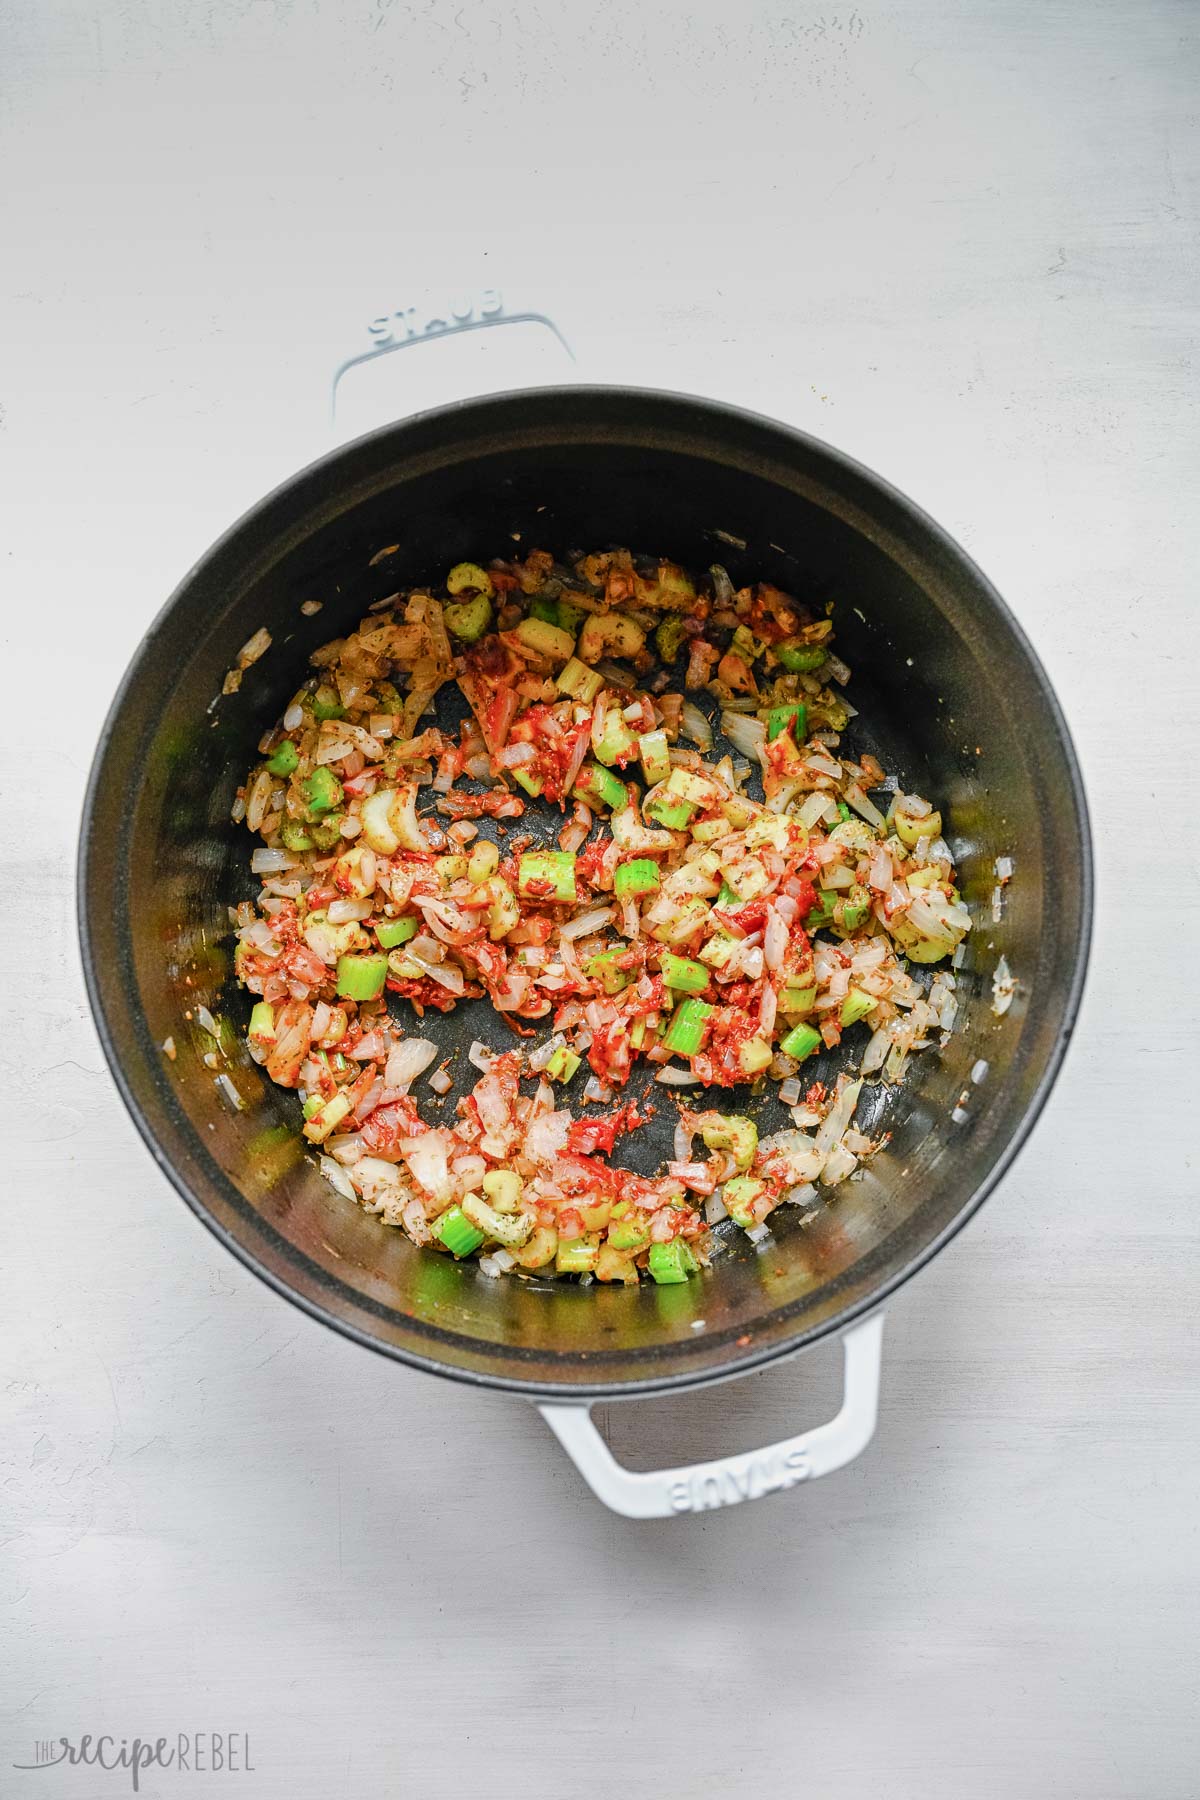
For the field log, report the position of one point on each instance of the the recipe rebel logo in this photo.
(184, 1753)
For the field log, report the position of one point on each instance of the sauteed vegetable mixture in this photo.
(680, 921)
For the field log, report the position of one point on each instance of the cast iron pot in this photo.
(954, 702)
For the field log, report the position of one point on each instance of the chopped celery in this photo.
(509, 1229)
(579, 681)
(746, 645)
(451, 868)
(361, 977)
(792, 718)
(457, 1233)
(483, 861)
(606, 969)
(326, 704)
(633, 879)
(533, 784)
(391, 932)
(655, 756)
(322, 791)
(562, 1064)
(682, 973)
(801, 1041)
(669, 637)
(504, 1189)
(855, 908)
(469, 576)
(326, 833)
(541, 607)
(262, 1023)
(754, 1056)
(468, 619)
(630, 1232)
(294, 836)
(739, 1194)
(732, 1133)
(547, 875)
(682, 784)
(545, 639)
(612, 1266)
(674, 815)
(671, 1262)
(325, 1117)
(799, 657)
(599, 786)
(719, 950)
(798, 999)
(822, 913)
(686, 1031)
(911, 830)
(285, 759)
(617, 743)
(609, 634)
(576, 1256)
(856, 1006)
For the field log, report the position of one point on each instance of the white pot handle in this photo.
(661, 1493)
(431, 321)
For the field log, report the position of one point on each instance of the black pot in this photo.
(956, 704)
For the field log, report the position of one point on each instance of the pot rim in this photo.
(567, 1393)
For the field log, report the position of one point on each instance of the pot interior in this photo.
(951, 701)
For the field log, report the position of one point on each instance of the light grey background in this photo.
(958, 240)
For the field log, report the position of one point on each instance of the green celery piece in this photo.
(671, 1262)
(285, 758)
(533, 784)
(361, 977)
(540, 607)
(562, 1064)
(326, 832)
(294, 836)
(580, 682)
(792, 718)
(733, 1132)
(322, 791)
(617, 742)
(673, 816)
(262, 1021)
(539, 870)
(801, 1042)
(392, 932)
(754, 1056)
(631, 1233)
(681, 972)
(655, 756)
(800, 658)
(686, 1031)
(798, 999)
(739, 1195)
(594, 783)
(727, 898)
(576, 1256)
(856, 1006)
(468, 619)
(326, 704)
(669, 637)
(457, 1233)
(604, 969)
(855, 911)
(636, 878)
(469, 577)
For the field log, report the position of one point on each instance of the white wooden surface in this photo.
(956, 239)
